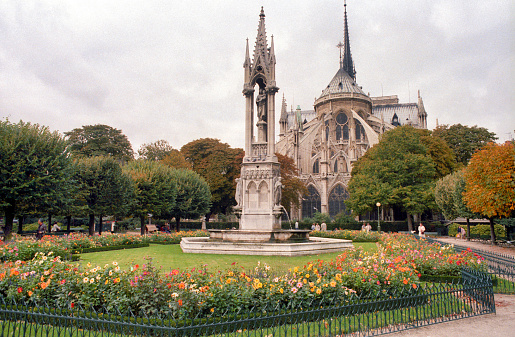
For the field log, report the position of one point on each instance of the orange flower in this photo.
(180, 303)
(414, 286)
(405, 281)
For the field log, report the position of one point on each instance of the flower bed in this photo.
(394, 270)
(25, 248)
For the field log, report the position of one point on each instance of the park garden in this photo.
(44, 273)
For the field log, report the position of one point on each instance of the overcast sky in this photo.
(173, 70)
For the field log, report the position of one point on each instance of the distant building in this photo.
(344, 124)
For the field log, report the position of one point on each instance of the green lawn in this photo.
(171, 257)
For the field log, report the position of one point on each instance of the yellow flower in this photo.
(319, 291)
(296, 269)
(333, 283)
(281, 290)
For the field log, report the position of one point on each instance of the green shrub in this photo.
(345, 221)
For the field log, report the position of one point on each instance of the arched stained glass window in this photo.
(338, 132)
(345, 132)
(360, 131)
(336, 200)
(311, 202)
(316, 166)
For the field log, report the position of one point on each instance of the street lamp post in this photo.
(378, 222)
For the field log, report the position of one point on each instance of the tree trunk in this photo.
(410, 223)
(177, 224)
(143, 225)
(8, 227)
(68, 223)
(21, 220)
(468, 229)
(91, 224)
(492, 231)
(49, 223)
(100, 224)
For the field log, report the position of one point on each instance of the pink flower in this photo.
(294, 290)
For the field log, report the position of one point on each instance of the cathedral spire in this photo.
(347, 63)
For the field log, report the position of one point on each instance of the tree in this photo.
(464, 140)
(155, 189)
(100, 140)
(175, 159)
(490, 183)
(219, 165)
(442, 155)
(293, 187)
(193, 196)
(104, 188)
(155, 151)
(399, 170)
(33, 167)
(449, 198)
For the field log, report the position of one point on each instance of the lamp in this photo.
(378, 222)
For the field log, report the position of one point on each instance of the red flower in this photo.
(72, 305)
(180, 303)
(20, 289)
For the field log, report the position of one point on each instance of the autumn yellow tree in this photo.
(490, 183)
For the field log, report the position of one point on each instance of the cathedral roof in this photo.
(342, 83)
(407, 113)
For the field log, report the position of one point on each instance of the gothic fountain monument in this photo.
(258, 190)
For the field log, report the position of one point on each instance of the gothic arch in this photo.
(336, 200)
(311, 202)
(263, 195)
(252, 200)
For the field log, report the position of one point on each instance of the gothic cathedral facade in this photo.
(345, 123)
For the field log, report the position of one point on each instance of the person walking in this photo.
(421, 230)
(41, 230)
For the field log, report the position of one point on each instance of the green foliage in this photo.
(345, 221)
(155, 189)
(34, 169)
(104, 188)
(155, 151)
(481, 230)
(193, 196)
(99, 140)
(321, 217)
(219, 165)
(399, 170)
(449, 196)
(464, 140)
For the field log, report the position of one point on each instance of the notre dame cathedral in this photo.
(345, 123)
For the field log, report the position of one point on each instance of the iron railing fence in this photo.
(363, 315)
(501, 267)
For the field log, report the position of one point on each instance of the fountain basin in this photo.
(315, 245)
(254, 236)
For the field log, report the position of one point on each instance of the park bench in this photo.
(151, 228)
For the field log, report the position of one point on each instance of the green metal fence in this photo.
(363, 315)
(501, 267)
